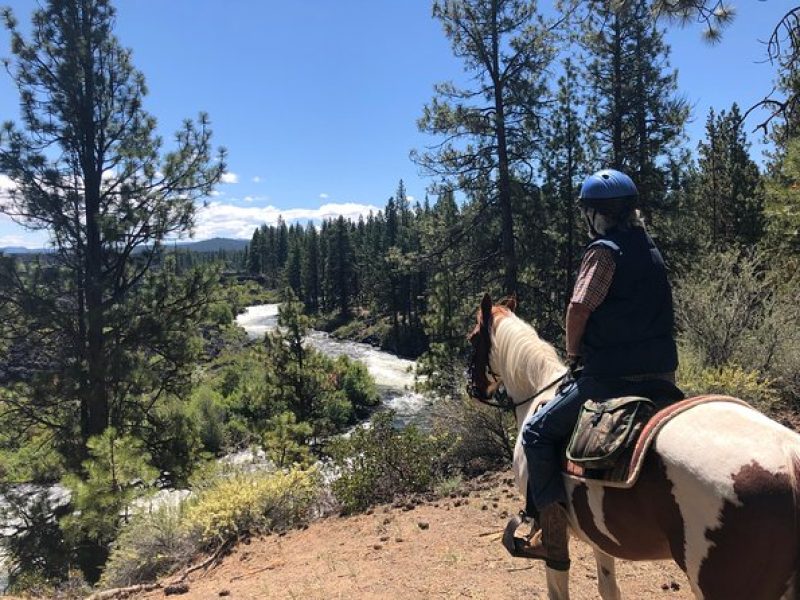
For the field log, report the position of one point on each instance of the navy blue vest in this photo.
(631, 332)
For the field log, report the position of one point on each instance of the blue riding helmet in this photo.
(608, 191)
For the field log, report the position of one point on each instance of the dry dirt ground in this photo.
(448, 548)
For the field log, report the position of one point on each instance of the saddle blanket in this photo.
(626, 471)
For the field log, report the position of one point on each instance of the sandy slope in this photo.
(444, 549)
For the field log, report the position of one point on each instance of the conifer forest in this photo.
(123, 371)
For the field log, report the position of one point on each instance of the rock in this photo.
(675, 586)
(224, 592)
(423, 525)
(377, 546)
(176, 589)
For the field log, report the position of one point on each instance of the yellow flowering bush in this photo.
(245, 502)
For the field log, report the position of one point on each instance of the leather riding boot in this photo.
(550, 543)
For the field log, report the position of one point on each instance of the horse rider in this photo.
(619, 330)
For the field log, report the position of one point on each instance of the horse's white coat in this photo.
(606, 576)
(734, 436)
(595, 495)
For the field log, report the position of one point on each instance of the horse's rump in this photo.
(717, 493)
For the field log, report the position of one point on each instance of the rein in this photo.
(501, 399)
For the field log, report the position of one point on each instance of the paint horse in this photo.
(718, 492)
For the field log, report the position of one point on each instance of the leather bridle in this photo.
(495, 394)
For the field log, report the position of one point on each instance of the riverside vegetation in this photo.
(122, 371)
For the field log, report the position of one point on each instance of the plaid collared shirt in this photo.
(594, 277)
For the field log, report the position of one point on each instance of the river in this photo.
(393, 375)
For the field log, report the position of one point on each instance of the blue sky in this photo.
(317, 100)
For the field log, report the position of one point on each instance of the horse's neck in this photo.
(526, 363)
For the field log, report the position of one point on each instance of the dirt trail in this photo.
(449, 548)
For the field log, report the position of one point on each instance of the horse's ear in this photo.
(486, 308)
(511, 302)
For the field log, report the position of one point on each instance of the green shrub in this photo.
(242, 503)
(117, 473)
(377, 463)
(357, 384)
(209, 416)
(152, 544)
(448, 485)
(731, 380)
(484, 436)
(740, 308)
(35, 585)
(286, 441)
(219, 313)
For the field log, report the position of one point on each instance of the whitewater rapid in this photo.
(393, 375)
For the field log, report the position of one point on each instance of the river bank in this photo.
(405, 342)
(394, 376)
(447, 547)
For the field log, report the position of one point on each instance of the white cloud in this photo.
(227, 220)
(324, 196)
(410, 198)
(256, 179)
(27, 241)
(229, 178)
(6, 183)
(248, 198)
(215, 193)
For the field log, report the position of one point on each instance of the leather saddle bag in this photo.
(606, 429)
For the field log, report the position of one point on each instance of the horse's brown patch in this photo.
(481, 340)
(753, 552)
(644, 519)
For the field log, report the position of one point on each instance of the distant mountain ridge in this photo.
(212, 245)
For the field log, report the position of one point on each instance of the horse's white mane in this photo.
(524, 360)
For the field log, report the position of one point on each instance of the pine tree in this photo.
(488, 128)
(310, 269)
(255, 258)
(294, 275)
(730, 192)
(441, 367)
(340, 268)
(108, 198)
(783, 201)
(564, 162)
(634, 111)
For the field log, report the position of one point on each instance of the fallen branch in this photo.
(124, 592)
(206, 563)
(256, 571)
(498, 533)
